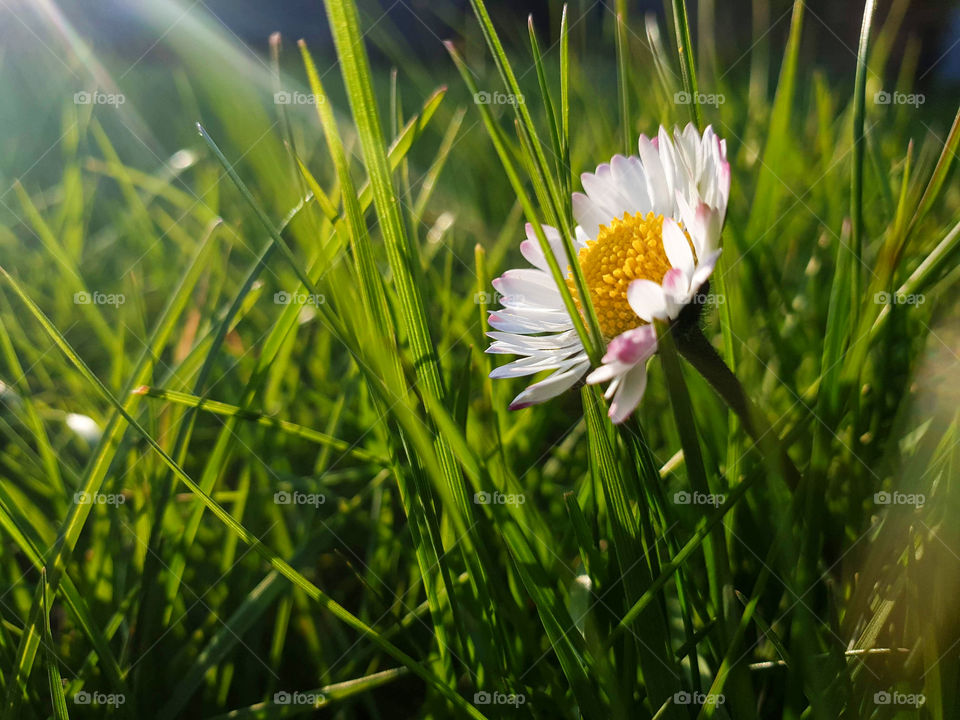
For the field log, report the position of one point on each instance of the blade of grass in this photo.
(545, 93)
(228, 410)
(53, 669)
(688, 68)
(622, 77)
(554, 208)
(660, 676)
(499, 143)
(566, 177)
(945, 162)
(418, 497)
(856, 177)
(328, 695)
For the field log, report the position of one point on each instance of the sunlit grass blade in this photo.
(405, 270)
(623, 73)
(688, 67)
(547, 101)
(53, 669)
(556, 271)
(328, 695)
(856, 178)
(554, 209)
(228, 410)
(660, 675)
(934, 187)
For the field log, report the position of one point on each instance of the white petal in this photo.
(631, 346)
(676, 290)
(606, 372)
(688, 142)
(530, 249)
(551, 387)
(556, 244)
(581, 236)
(588, 215)
(704, 270)
(612, 387)
(647, 300)
(667, 157)
(520, 287)
(660, 192)
(629, 393)
(603, 191)
(533, 365)
(677, 247)
(528, 321)
(527, 345)
(631, 182)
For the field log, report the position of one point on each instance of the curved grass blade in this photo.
(856, 177)
(326, 696)
(228, 410)
(53, 669)
(555, 205)
(688, 67)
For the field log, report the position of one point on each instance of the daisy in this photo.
(646, 240)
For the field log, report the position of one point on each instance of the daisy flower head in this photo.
(647, 239)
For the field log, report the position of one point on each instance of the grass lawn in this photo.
(602, 368)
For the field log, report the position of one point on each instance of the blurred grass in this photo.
(296, 368)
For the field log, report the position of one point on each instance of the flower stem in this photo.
(698, 351)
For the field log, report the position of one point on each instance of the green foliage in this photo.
(252, 464)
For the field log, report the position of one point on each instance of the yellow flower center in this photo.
(627, 249)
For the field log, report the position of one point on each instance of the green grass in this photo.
(279, 513)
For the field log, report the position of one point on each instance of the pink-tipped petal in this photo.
(530, 249)
(675, 282)
(632, 346)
